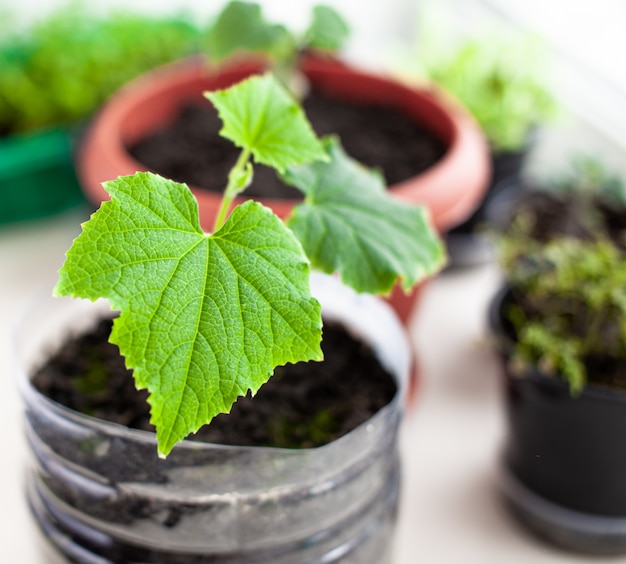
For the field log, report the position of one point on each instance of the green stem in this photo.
(590, 339)
(233, 188)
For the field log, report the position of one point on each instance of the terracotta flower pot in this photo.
(450, 189)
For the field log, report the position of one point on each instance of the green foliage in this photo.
(344, 226)
(241, 27)
(570, 300)
(63, 67)
(207, 317)
(501, 82)
(564, 257)
(328, 30)
(239, 298)
(262, 118)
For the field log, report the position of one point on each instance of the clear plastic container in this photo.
(101, 494)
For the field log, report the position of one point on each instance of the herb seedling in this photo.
(571, 305)
(501, 82)
(563, 254)
(207, 317)
(241, 26)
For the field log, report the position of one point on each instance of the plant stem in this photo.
(237, 183)
(590, 339)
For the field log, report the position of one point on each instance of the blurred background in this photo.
(579, 59)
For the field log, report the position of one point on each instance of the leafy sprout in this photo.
(242, 27)
(207, 317)
(502, 82)
(570, 307)
(563, 255)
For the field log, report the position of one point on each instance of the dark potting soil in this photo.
(555, 215)
(302, 405)
(190, 149)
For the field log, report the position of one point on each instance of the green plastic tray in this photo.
(37, 176)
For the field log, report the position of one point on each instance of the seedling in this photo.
(571, 297)
(502, 82)
(241, 27)
(207, 317)
(563, 253)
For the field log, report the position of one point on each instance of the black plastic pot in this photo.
(564, 459)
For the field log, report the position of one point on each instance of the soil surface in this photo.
(302, 405)
(566, 215)
(190, 149)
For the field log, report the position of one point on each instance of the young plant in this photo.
(207, 317)
(570, 310)
(501, 82)
(241, 27)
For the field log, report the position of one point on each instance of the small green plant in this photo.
(570, 304)
(241, 27)
(499, 81)
(207, 317)
(563, 254)
(63, 67)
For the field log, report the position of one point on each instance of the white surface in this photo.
(450, 510)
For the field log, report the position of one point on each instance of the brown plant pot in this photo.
(450, 189)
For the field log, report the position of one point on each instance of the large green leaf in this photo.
(241, 27)
(204, 318)
(328, 30)
(260, 116)
(349, 224)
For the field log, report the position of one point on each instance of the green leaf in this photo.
(241, 27)
(328, 30)
(204, 318)
(349, 224)
(260, 116)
